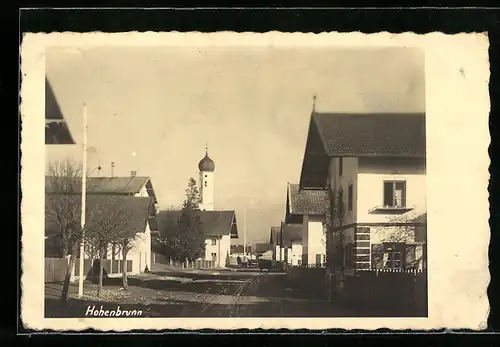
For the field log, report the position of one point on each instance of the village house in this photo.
(264, 251)
(307, 208)
(276, 241)
(373, 167)
(117, 215)
(292, 243)
(127, 193)
(218, 227)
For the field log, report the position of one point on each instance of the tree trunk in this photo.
(67, 277)
(101, 258)
(124, 269)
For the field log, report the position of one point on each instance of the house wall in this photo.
(371, 178)
(315, 240)
(305, 240)
(221, 248)
(140, 253)
(295, 253)
(367, 176)
(349, 176)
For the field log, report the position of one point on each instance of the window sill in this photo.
(389, 210)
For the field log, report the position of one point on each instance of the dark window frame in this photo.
(394, 183)
(350, 197)
(341, 166)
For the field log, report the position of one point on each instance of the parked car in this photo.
(265, 264)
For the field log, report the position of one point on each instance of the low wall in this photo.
(309, 279)
(387, 293)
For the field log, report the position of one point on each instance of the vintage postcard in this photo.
(245, 180)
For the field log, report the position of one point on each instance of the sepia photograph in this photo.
(208, 179)
(174, 190)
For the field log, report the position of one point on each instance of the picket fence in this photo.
(55, 268)
(157, 258)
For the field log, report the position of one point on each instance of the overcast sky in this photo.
(252, 107)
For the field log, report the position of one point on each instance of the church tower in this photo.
(207, 168)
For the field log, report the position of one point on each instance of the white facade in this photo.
(218, 249)
(366, 205)
(313, 240)
(140, 252)
(207, 190)
(295, 253)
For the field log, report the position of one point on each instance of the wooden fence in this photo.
(387, 292)
(55, 269)
(197, 264)
(109, 267)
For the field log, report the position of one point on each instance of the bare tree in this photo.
(106, 225)
(62, 211)
(124, 243)
(333, 225)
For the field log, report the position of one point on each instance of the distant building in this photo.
(307, 208)
(292, 243)
(219, 226)
(276, 241)
(263, 249)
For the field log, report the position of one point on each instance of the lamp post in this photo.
(84, 196)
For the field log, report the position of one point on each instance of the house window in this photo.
(214, 256)
(214, 242)
(395, 194)
(391, 256)
(350, 198)
(205, 183)
(341, 166)
(206, 176)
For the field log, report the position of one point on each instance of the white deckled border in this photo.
(457, 108)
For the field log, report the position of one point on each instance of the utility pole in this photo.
(84, 196)
(245, 233)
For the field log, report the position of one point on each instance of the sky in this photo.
(154, 109)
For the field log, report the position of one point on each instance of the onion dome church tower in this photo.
(207, 169)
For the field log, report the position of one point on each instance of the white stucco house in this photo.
(307, 208)
(127, 202)
(292, 243)
(218, 226)
(373, 167)
(275, 240)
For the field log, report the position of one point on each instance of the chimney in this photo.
(133, 173)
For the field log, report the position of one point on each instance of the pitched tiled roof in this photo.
(307, 201)
(263, 247)
(358, 135)
(275, 235)
(103, 185)
(291, 232)
(213, 223)
(127, 213)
